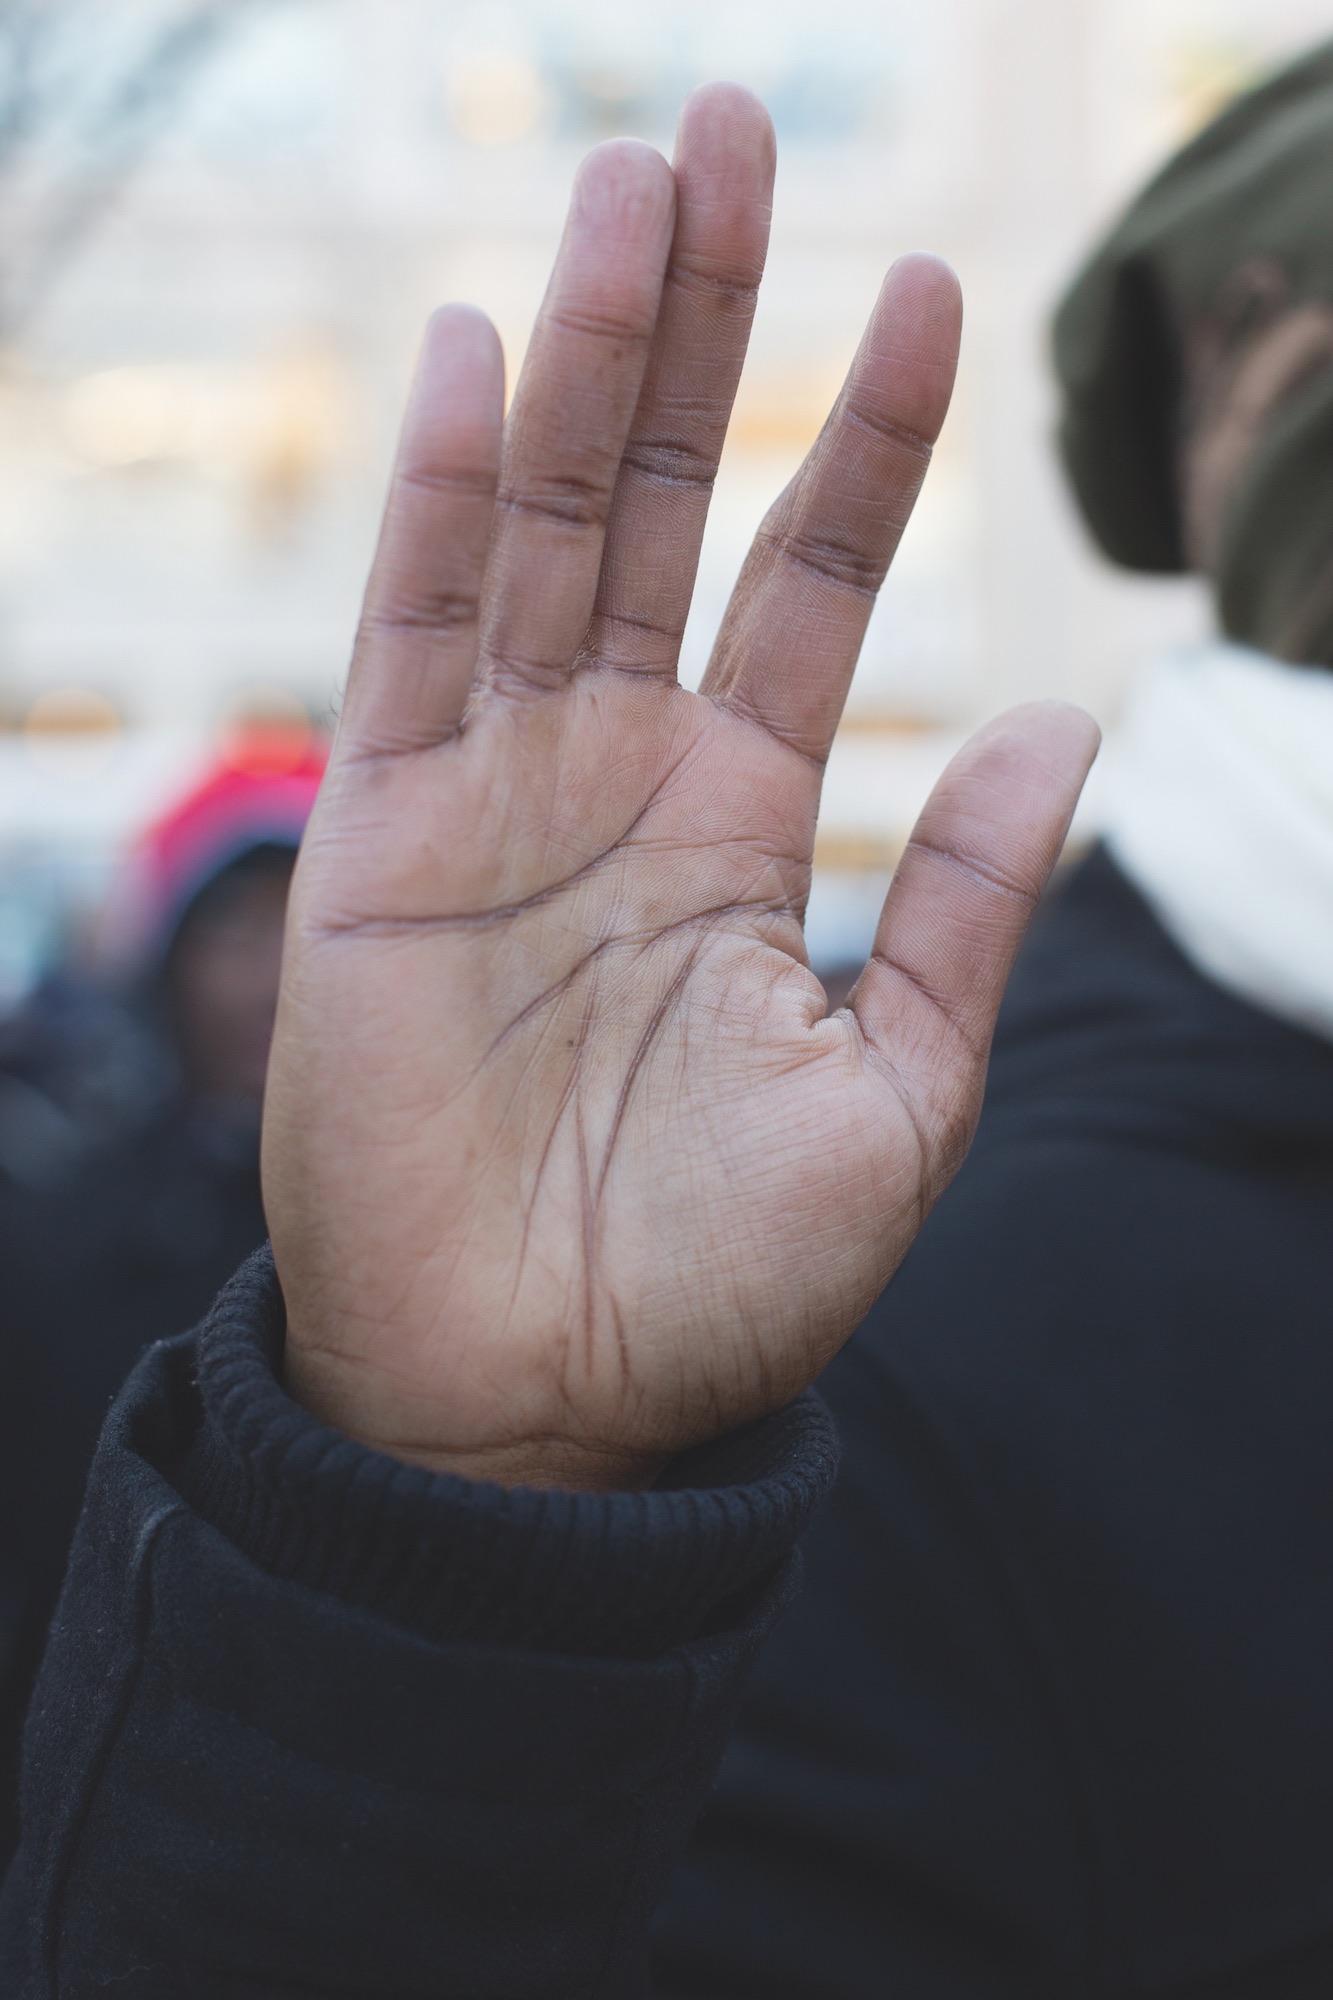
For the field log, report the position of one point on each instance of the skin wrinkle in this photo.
(369, 754)
(568, 1094)
(656, 1020)
(593, 1196)
(598, 660)
(473, 1077)
(628, 839)
(675, 457)
(516, 677)
(442, 616)
(571, 497)
(986, 875)
(855, 567)
(499, 913)
(369, 827)
(590, 1218)
(667, 408)
(423, 1449)
(478, 484)
(664, 402)
(618, 329)
(922, 988)
(888, 430)
(737, 704)
(843, 563)
(691, 273)
(572, 502)
(924, 1181)
(550, 995)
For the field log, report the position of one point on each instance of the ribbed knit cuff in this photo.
(618, 1575)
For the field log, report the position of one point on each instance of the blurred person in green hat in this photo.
(1195, 357)
(1051, 1715)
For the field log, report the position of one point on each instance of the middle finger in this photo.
(724, 179)
(571, 414)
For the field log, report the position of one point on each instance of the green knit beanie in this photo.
(1195, 356)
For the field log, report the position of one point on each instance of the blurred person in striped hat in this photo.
(129, 1148)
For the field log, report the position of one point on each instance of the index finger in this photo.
(416, 648)
(793, 630)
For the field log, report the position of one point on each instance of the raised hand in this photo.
(566, 1166)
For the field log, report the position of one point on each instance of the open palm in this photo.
(567, 1167)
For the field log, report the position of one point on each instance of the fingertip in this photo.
(925, 290)
(624, 153)
(462, 359)
(466, 332)
(727, 119)
(1060, 734)
(927, 267)
(457, 318)
(456, 406)
(623, 184)
(907, 362)
(1054, 712)
(1065, 722)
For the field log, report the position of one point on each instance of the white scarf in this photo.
(1217, 802)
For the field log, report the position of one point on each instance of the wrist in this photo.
(381, 1412)
(457, 1561)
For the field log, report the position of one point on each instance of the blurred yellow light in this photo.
(784, 408)
(121, 416)
(71, 732)
(495, 96)
(265, 729)
(1206, 76)
(277, 423)
(71, 711)
(609, 86)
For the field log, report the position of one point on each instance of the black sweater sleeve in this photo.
(314, 1722)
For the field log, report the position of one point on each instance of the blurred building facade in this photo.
(197, 418)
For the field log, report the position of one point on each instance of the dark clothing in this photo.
(1049, 1718)
(121, 1215)
(1052, 1715)
(315, 1722)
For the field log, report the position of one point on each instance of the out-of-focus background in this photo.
(222, 225)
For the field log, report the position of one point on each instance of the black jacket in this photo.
(314, 1722)
(1050, 1716)
(122, 1211)
(1053, 1715)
